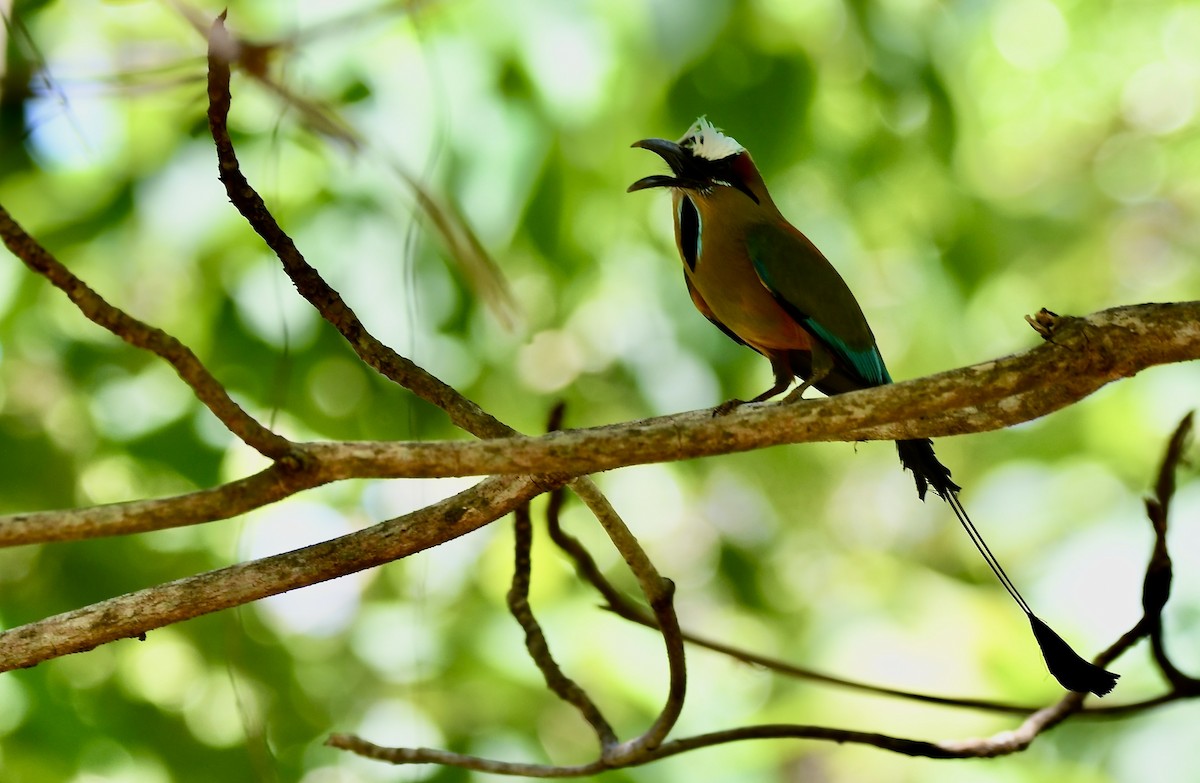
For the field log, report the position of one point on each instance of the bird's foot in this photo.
(727, 407)
(798, 393)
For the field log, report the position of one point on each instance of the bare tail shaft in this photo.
(1072, 672)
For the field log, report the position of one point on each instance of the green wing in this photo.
(811, 290)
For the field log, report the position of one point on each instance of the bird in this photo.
(763, 283)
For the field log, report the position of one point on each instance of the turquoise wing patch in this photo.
(867, 363)
(800, 301)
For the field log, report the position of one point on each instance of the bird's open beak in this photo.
(675, 156)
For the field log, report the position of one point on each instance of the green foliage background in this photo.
(962, 163)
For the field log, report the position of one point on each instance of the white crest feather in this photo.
(706, 141)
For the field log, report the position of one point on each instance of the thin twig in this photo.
(482, 272)
(327, 301)
(660, 594)
(672, 748)
(585, 564)
(1157, 586)
(619, 604)
(535, 641)
(229, 500)
(622, 606)
(362, 747)
(141, 335)
(635, 614)
(1156, 591)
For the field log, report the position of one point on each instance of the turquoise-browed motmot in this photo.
(763, 283)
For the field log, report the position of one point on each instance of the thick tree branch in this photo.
(1086, 354)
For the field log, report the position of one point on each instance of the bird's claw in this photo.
(727, 407)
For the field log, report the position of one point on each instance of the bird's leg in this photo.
(783, 379)
(822, 365)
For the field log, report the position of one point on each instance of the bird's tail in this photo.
(1072, 672)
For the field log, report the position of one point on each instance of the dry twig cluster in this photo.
(1079, 356)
